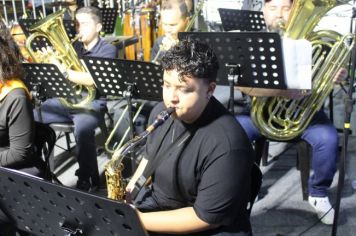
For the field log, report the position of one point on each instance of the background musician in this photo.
(17, 130)
(16, 117)
(155, 3)
(72, 6)
(202, 185)
(320, 134)
(89, 24)
(174, 19)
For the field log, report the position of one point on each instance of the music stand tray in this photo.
(242, 20)
(114, 76)
(44, 208)
(256, 56)
(69, 26)
(47, 79)
(109, 19)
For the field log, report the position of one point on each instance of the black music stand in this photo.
(51, 80)
(69, 26)
(42, 208)
(246, 59)
(46, 81)
(128, 79)
(113, 77)
(109, 16)
(242, 20)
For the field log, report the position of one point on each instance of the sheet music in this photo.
(297, 56)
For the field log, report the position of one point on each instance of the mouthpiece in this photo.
(161, 118)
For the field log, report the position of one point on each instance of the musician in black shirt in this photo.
(201, 186)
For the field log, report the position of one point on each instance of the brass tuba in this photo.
(284, 119)
(52, 28)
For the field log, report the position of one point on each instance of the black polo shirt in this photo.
(211, 174)
(100, 49)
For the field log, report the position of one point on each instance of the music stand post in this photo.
(129, 94)
(242, 20)
(43, 208)
(256, 56)
(232, 77)
(348, 104)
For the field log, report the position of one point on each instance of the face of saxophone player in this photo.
(189, 96)
(88, 29)
(275, 11)
(173, 22)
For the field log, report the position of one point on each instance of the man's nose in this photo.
(279, 13)
(174, 97)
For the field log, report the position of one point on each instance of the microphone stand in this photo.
(347, 117)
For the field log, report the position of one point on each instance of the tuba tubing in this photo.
(285, 119)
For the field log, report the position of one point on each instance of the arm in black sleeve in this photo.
(21, 129)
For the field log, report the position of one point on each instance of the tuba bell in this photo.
(52, 28)
(284, 119)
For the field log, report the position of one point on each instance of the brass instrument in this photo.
(284, 119)
(117, 145)
(115, 184)
(167, 42)
(52, 28)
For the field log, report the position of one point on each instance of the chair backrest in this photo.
(256, 182)
(45, 140)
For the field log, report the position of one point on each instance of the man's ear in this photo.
(99, 27)
(211, 88)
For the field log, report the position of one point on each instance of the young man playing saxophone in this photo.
(202, 184)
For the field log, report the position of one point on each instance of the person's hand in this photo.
(340, 76)
(297, 94)
(168, 42)
(152, 4)
(49, 56)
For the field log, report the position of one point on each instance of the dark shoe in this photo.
(86, 186)
(83, 185)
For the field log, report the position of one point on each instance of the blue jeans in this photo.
(85, 123)
(323, 138)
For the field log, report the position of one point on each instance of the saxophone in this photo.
(116, 186)
(285, 119)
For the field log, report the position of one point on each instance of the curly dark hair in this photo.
(192, 58)
(10, 64)
(6, 35)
